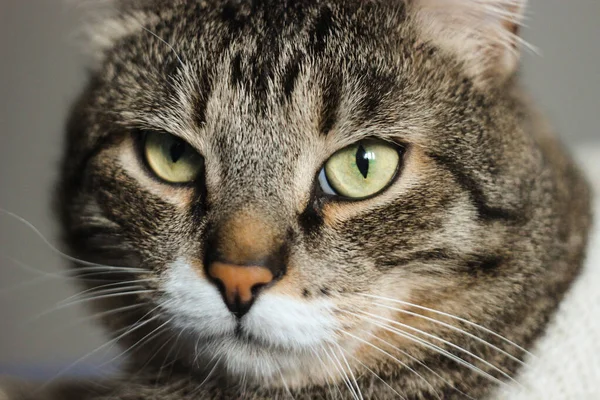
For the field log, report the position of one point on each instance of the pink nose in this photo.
(239, 283)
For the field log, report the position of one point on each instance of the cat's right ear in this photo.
(105, 22)
(484, 34)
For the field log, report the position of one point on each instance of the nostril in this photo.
(257, 288)
(220, 285)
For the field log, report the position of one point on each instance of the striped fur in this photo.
(487, 220)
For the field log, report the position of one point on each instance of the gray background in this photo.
(41, 72)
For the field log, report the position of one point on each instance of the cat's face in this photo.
(274, 174)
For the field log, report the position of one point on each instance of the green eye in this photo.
(360, 170)
(171, 158)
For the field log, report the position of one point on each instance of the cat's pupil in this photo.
(362, 161)
(176, 151)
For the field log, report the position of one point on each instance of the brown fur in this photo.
(487, 220)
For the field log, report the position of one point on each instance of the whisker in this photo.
(129, 328)
(86, 300)
(96, 289)
(466, 321)
(112, 311)
(434, 347)
(418, 362)
(244, 383)
(112, 341)
(66, 275)
(285, 385)
(393, 358)
(104, 276)
(118, 310)
(171, 363)
(197, 352)
(374, 374)
(98, 293)
(213, 369)
(28, 282)
(103, 269)
(341, 371)
(331, 376)
(28, 268)
(446, 342)
(454, 328)
(350, 370)
(155, 352)
(53, 248)
(169, 45)
(135, 21)
(346, 376)
(149, 337)
(109, 295)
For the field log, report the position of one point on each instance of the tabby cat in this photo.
(316, 199)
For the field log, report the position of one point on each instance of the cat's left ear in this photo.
(483, 33)
(105, 22)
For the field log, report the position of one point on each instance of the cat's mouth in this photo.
(243, 334)
(274, 322)
(248, 338)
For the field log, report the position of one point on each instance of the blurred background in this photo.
(42, 70)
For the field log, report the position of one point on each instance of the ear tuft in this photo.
(483, 33)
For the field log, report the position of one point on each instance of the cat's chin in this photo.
(278, 339)
(245, 360)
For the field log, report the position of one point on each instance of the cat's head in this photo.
(281, 185)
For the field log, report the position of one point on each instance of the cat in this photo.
(316, 199)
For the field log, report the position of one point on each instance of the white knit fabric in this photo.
(567, 362)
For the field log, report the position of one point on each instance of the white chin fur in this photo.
(283, 321)
(282, 332)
